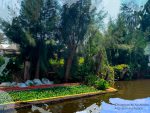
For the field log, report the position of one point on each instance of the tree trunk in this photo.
(98, 62)
(27, 70)
(37, 69)
(69, 64)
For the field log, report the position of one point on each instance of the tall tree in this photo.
(145, 19)
(31, 29)
(74, 26)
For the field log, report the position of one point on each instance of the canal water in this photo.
(128, 90)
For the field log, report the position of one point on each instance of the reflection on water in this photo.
(92, 109)
(133, 89)
(41, 110)
(128, 90)
(120, 106)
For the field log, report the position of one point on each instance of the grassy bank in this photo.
(46, 93)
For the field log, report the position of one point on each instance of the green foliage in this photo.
(111, 75)
(2, 61)
(57, 62)
(59, 76)
(90, 80)
(31, 29)
(122, 72)
(75, 20)
(75, 31)
(57, 65)
(5, 78)
(108, 74)
(120, 67)
(127, 42)
(101, 84)
(145, 22)
(14, 65)
(80, 71)
(74, 27)
(93, 80)
(51, 92)
(81, 61)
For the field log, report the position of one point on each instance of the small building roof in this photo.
(13, 47)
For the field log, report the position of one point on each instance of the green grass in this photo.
(47, 93)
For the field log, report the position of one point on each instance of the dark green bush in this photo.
(101, 84)
(90, 80)
(14, 65)
(122, 72)
(58, 77)
(5, 78)
(57, 66)
(93, 80)
(81, 68)
(107, 73)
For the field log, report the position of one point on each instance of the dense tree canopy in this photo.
(70, 39)
(31, 29)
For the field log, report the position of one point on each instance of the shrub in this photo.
(111, 72)
(81, 68)
(107, 73)
(59, 76)
(14, 65)
(122, 72)
(5, 78)
(57, 65)
(93, 80)
(121, 67)
(90, 80)
(101, 84)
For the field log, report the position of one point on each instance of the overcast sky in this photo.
(110, 6)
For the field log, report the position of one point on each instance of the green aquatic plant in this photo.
(50, 92)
